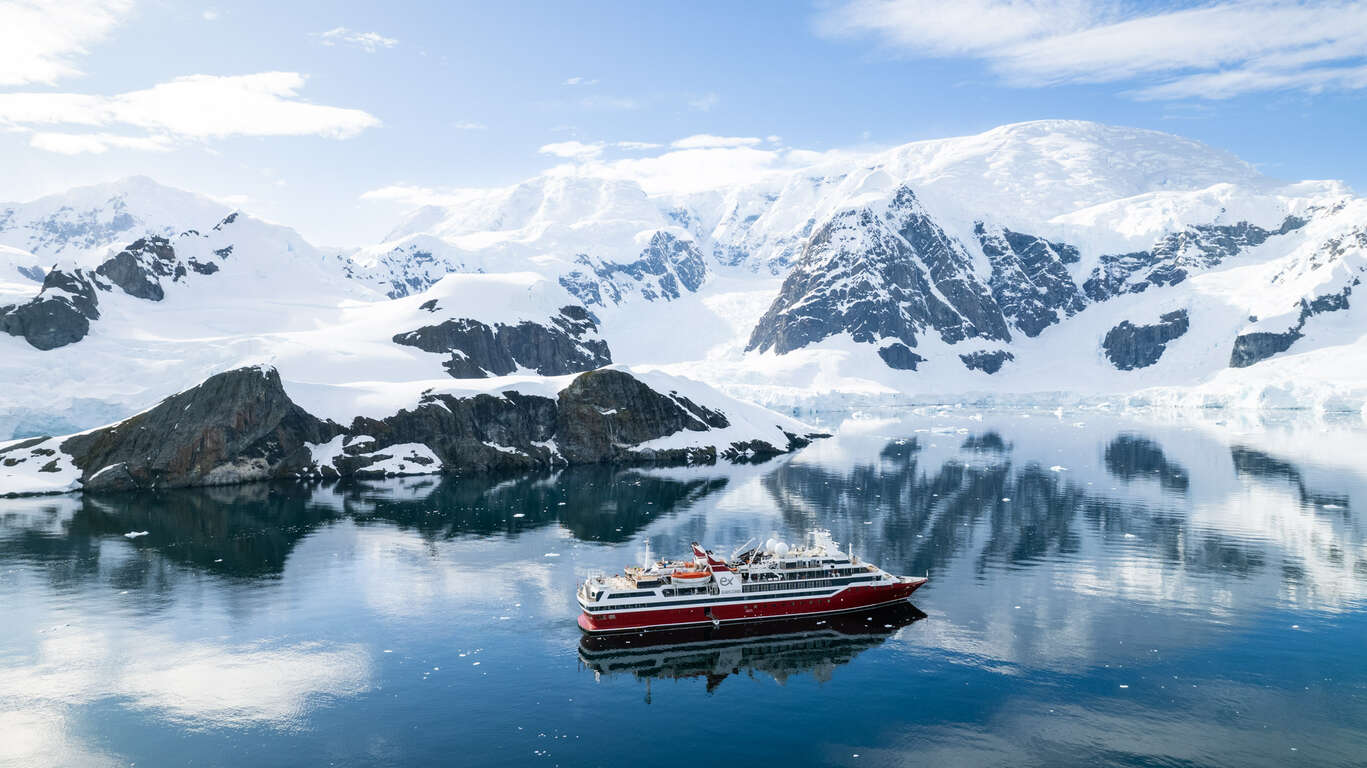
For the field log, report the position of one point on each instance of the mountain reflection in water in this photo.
(1102, 590)
(779, 649)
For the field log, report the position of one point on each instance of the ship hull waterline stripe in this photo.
(850, 598)
(756, 619)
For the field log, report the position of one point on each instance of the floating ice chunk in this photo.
(519, 514)
(1124, 686)
(1006, 498)
(1057, 468)
(552, 554)
(134, 534)
(1129, 535)
(1332, 506)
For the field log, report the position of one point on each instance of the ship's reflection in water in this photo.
(779, 649)
(1102, 591)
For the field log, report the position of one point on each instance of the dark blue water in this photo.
(1102, 591)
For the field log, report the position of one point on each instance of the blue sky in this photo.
(300, 112)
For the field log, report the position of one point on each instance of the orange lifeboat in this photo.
(687, 575)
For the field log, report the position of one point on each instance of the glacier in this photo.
(981, 269)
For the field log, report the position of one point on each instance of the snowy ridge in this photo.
(1054, 260)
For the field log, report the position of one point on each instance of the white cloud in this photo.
(581, 81)
(369, 42)
(692, 164)
(95, 143)
(469, 125)
(210, 14)
(1216, 50)
(413, 195)
(191, 107)
(576, 150)
(39, 39)
(609, 103)
(703, 140)
(704, 103)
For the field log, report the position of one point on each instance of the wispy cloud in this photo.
(1213, 51)
(369, 42)
(413, 195)
(95, 143)
(576, 150)
(610, 103)
(195, 107)
(40, 39)
(704, 103)
(469, 125)
(581, 81)
(704, 140)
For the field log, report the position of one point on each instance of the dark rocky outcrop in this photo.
(62, 311)
(666, 267)
(1250, 348)
(567, 344)
(1176, 255)
(985, 361)
(241, 426)
(59, 315)
(234, 427)
(603, 415)
(138, 268)
(889, 275)
(899, 356)
(1129, 346)
(1030, 281)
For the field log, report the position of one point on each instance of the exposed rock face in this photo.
(1250, 348)
(234, 427)
(899, 356)
(241, 426)
(137, 268)
(880, 275)
(1129, 346)
(59, 315)
(987, 362)
(1176, 255)
(604, 414)
(568, 345)
(1030, 281)
(69, 300)
(667, 266)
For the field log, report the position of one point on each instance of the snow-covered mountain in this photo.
(1055, 260)
(82, 224)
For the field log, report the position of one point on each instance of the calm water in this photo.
(1102, 591)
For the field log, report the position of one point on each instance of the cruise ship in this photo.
(773, 581)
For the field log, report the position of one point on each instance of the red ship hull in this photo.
(849, 599)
